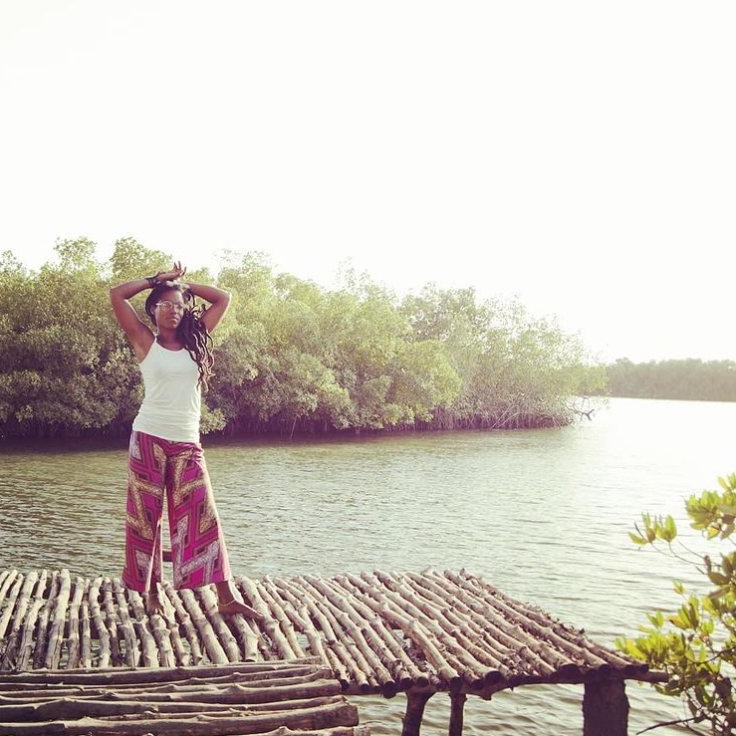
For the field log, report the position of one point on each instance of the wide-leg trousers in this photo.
(176, 470)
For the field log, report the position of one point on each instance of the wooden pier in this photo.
(420, 633)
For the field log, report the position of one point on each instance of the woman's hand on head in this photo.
(177, 272)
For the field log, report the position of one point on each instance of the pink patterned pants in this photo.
(157, 467)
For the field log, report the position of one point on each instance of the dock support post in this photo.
(605, 708)
(457, 703)
(415, 702)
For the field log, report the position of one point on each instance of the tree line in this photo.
(693, 379)
(290, 357)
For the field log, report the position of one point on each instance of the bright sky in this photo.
(581, 155)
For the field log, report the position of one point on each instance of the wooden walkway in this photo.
(377, 633)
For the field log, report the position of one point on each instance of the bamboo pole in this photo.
(73, 641)
(103, 634)
(29, 625)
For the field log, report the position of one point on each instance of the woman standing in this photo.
(165, 457)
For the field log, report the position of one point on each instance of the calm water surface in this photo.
(543, 515)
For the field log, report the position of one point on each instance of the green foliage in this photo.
(290, 356)
(696, 645)
(691, 379)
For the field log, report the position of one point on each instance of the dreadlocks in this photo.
(192, 331)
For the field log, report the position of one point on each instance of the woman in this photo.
(165, 456)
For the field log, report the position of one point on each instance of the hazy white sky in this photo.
(581, 155)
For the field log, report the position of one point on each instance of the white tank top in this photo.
(171, 406)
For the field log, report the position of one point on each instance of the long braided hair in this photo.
(191, 330)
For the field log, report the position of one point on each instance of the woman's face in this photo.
(169, 309)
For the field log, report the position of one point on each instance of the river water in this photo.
(541, 514)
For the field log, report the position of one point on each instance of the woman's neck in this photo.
(169, 339)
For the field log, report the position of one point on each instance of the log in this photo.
(21, 608)
(111, 621)
(227, 641)
(10, 607)
(100, 627)
(132, 651)
(415, 702)
(534, 642)
(182, 656)
(6, 581)
(29, 625)
(605, 709)
(252, 591)
(177, 683)
(86, 637)
(327, 637)
(275, 604)
(74, 708)
(39, 652)
(419, 635)
(370, 661)
(299, 615)
(337, 639)
(457, 704)
(73, 640)
(532, 656)
(185, 621)
(407, 670)
(58, 619)
(142, 625)
(342, 713)
(211, 644)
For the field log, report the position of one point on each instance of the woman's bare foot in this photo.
(233, 606)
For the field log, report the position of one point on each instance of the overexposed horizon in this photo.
(577, 155)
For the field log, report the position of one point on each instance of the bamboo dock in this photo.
(420, 633)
